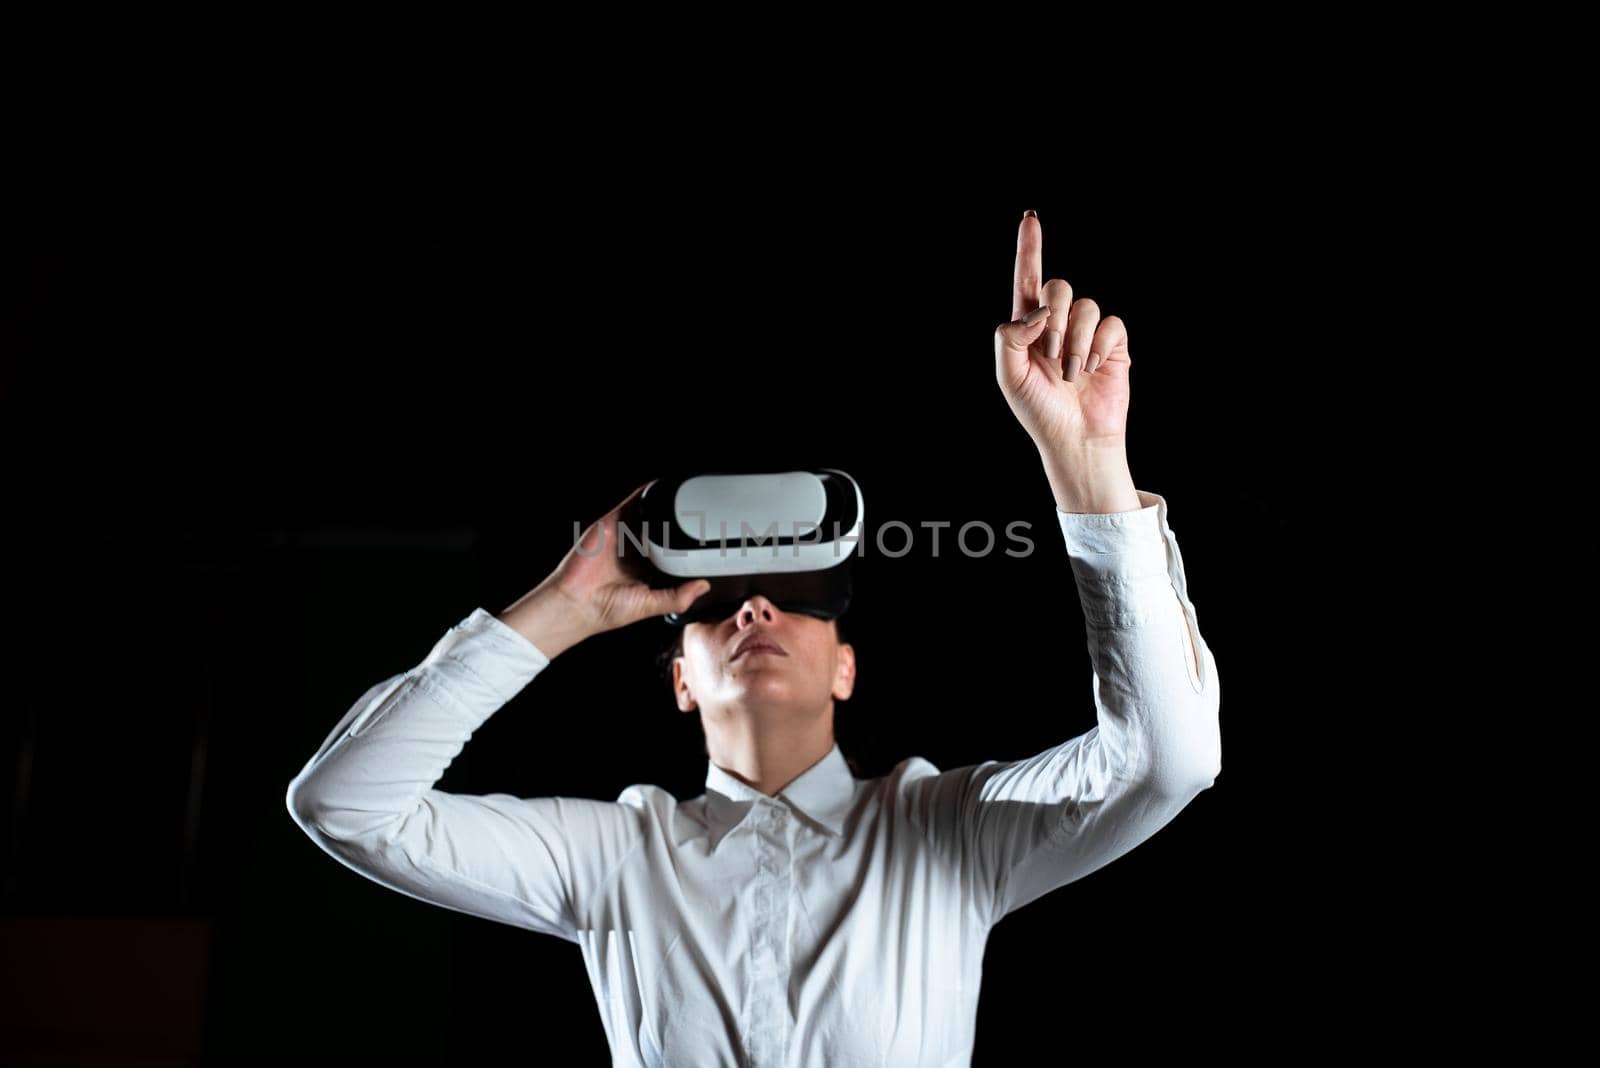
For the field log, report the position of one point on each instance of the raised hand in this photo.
(609, 597)
(1064, 371)
(1063, 368)
(590, 591)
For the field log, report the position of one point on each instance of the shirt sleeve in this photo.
(1021, 828)
(367, 796)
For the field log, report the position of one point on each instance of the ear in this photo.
(844, 678)
(680, 687)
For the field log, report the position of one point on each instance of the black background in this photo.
(277, 421)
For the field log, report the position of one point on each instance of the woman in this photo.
(793, 912)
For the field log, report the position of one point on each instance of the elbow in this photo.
(1208, 762)
(1188, 782)
(1186, 773)
(309, 808)
(301, 805)
(1206, 766)
(1205, 754)
(322, 816)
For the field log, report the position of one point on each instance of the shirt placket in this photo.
(767, 1030)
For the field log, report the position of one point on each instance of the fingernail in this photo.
(1029, 212)
(1034, 316)
(1052, 344)
(1093, 362)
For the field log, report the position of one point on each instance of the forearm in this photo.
(1090, 478)
(395, 742)
(1155, 682)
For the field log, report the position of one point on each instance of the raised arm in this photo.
(367, 796)
(1021, 828)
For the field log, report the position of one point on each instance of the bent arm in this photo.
(1022, 828)
(367, 796)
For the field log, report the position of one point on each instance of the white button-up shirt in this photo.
(841, 922)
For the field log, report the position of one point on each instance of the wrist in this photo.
(549, 618)
(1090, 478)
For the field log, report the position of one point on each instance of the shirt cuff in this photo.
(484, 660)
(1119, 561)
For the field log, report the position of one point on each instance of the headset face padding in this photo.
(813, 593)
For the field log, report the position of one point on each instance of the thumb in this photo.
(1011, 341)
(679, 598)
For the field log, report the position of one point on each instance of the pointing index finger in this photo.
(1030, 266)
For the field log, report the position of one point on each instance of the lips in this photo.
(758, 641)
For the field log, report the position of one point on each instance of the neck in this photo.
(769, 756)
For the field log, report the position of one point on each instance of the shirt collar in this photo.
(822, 793)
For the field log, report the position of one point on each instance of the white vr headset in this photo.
(788, 535)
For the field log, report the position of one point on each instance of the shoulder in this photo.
(647, 797)
(917, 772)
(659, 808)
(912, 768)
(933, 798)
(909, 785)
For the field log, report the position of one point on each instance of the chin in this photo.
(767, 689)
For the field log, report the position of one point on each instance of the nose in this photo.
(756, 607)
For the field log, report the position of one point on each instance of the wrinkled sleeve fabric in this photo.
(1024, 827)
(367, 796)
